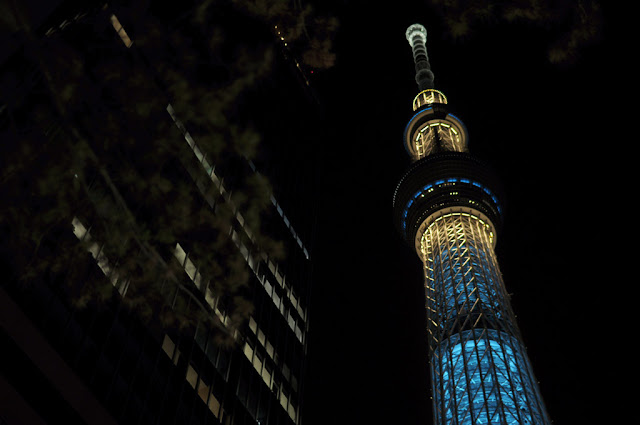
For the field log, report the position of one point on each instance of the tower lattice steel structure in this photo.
(448, 206)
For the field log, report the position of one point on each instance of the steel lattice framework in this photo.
(479, 368)
(447, 206)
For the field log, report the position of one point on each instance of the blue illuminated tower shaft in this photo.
(479, 368)
(447, 206)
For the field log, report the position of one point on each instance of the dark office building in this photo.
(111, 174)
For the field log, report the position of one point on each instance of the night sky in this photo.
(547, 129)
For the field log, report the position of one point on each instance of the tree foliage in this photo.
(579, 22)
(90, 137)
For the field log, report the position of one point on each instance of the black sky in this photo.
(546, 129)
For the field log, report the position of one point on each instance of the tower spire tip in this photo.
(416, 30)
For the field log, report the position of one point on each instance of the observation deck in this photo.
(433, 128)
(445, 182)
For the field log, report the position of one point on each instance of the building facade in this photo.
(240, 359)
(448, 206)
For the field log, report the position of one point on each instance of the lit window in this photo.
(292, 411)
(96, 250)
(168, 346)
(210, 298)
(78, 228)
(301, 311)
(248, 351)
(257, 361)
(192, 376)
(283, 399)
(180, 254)
(266, 375)
(198, 153)
(214, 406)
(298, 333)
(190, 268)
(253, 325)
(121, 32)
(268, 287)
(203, 391)
(279, 278)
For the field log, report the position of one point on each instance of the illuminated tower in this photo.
(448, 206)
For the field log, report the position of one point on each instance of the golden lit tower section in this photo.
(448, 207)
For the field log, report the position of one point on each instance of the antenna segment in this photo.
(417, 37)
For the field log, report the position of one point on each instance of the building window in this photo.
(214, 406)
(121, 32)
(169, 347)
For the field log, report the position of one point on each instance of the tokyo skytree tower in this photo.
(448, 207)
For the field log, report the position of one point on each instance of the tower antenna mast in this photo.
(417, 37)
